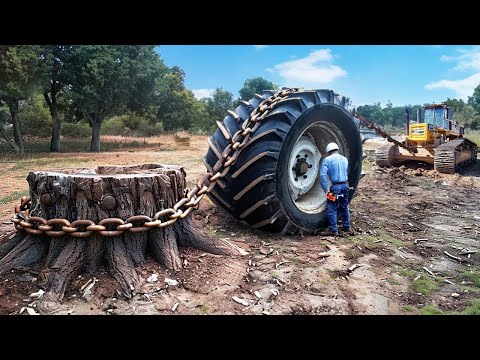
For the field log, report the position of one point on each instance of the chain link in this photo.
(35, 225)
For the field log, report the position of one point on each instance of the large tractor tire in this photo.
(274, 185)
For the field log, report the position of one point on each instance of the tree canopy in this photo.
(120, 89)
(255, 86)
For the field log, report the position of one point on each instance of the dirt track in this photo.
(304, 275)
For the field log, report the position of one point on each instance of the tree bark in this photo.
(83, 194)
(56, 119)
(96, 123)
(8, 140)
(17, 128)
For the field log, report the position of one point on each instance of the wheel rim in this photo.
(304, 167)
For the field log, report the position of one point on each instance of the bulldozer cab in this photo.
(437, 123)
(439, 117)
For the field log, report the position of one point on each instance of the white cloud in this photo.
(463, 88)
(465, 60)
(203, 93)
(312, 70)
(259, 47)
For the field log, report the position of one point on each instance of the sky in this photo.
(401, 74)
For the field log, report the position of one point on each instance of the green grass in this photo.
(473, 136)
(204, 309)
(384, 235)
(15, 196)
(409, 308)
(431, 310)
(74, 146)
(472, 309)
(472, 275)
(392, 281)
(408, 273)
(425, 286)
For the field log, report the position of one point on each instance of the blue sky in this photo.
(413, 74)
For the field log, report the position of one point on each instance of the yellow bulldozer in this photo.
(436, 139)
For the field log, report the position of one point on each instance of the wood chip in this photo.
(240, 301)
(175, 306)
(258, 295)
(265, 251)
(428, 271)
(31, 311)
(353, 267)
(448, 281)
(419, 240)
(242, 252)
(453, 257)
(377, 241)
(86, 284)
(323, 255)
(467, 252)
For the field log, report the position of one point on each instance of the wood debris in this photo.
(265, 251)
(467, 252)
(175, 306)
(353, 267)
(428, 271)
(86, 284)
(419, 240)
(37, 295)
(453, 257)
(240, 301)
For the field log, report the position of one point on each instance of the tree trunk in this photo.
(17, 128)
(96, 126)
(57, 121)
(107, 192)
(8, 140)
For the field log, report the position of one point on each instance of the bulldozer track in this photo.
(384, 154)
(447, 155)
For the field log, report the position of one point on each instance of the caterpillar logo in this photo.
(420, 131)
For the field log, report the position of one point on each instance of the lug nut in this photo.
(296, 179)
(309, 166)
(298, 156)
(304, 176)
(306, 155)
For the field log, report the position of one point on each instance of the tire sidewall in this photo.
(349, 130)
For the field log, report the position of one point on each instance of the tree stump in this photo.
(105, 193)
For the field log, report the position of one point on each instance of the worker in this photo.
(335, 168)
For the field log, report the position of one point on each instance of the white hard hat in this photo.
(331, 146)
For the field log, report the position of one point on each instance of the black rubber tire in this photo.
(275, 139)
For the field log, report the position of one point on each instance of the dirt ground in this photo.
(405, 218)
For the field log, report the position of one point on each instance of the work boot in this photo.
(328, 233)
(348, 231)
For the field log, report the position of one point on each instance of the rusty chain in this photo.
(35, 225)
